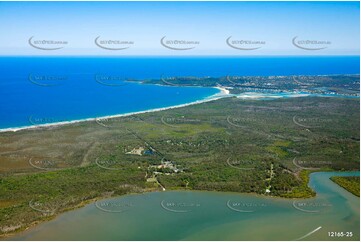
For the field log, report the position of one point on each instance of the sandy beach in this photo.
(222, 94)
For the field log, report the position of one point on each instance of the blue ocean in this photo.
(39, 90)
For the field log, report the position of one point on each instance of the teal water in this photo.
(186, 215)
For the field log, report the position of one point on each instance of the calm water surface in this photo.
(185, 215)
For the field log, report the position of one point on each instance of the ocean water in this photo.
(39, 90)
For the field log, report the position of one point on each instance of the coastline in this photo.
(17, 232)
(33, 225)
(222, 94)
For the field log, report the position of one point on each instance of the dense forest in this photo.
(266, 147)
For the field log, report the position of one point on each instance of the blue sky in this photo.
(209, 24)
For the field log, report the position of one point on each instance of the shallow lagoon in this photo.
(195, 215)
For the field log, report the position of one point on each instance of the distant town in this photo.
(345, 85)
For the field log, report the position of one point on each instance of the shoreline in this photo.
(33, 225)
(222, 94)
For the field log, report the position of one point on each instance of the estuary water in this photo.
(195, 215)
